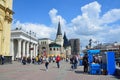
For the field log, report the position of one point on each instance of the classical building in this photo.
(23, 44)
(57, 47)
(5, 26)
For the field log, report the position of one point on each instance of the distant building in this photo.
(43, 47)
(53, 48)
(75, 46)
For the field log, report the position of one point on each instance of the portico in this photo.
(23, 44)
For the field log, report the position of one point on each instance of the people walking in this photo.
(58, 61)
(46, 63)
(28, 60)
(24, 61)
(74, 62)
(85, 63)
(33, 59)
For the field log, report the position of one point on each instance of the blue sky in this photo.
(84, 19)
(36, 11)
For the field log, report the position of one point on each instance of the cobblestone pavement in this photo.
(17, 71)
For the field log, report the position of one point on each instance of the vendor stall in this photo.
(94, 68)
(104, 66)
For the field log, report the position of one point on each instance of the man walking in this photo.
(57, 61)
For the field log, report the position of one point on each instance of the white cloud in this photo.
(55, 18)
(92, 10)
(42, 30)
(88, 25)
(111, 16)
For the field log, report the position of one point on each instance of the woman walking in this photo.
(46, 63)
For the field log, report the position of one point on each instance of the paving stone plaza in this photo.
(17, 71)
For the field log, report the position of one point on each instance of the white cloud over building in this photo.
(90, 24)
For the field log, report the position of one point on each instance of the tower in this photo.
(67, 47)
(59, 37)
(5, 26)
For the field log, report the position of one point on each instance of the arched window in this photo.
(50, 49)
(54, 49)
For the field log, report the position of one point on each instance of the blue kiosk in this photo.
(94, 68)
(107, 62)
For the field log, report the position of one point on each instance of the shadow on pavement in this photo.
(43, 69)
(118, 77)
(79, 72)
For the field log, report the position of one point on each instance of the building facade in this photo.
(44, 45)
(5, 26)
(23, 44)
(75, 46)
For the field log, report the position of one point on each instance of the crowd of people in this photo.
(74, 61)
(42, 59)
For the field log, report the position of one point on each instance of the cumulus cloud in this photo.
(88, 22)
(87, 25)
(56, 18)
(111, 16)
(41, 30)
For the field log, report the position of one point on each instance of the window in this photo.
(50, 49)
(54, 49)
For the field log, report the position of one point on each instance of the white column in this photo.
(28, 49)
(24, 48)
(36, 49)
(19, 48)
(12, 48)
(31, 51)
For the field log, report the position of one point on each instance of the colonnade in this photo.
(21, 48)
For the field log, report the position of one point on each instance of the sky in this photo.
(98, 20)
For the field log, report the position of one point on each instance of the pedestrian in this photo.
(85, 63)
(24, 61)
(46, 63)
(53, 59)
(2, 59)
(76, 61)
(58, 61)
(33, 59)
(73, 62)
(29, 60)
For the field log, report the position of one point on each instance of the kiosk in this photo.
(106, 65)
(94, 68)
(108, 62)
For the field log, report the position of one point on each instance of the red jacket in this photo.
(57, 58)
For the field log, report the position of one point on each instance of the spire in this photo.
(66, 42)
(59, 29)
